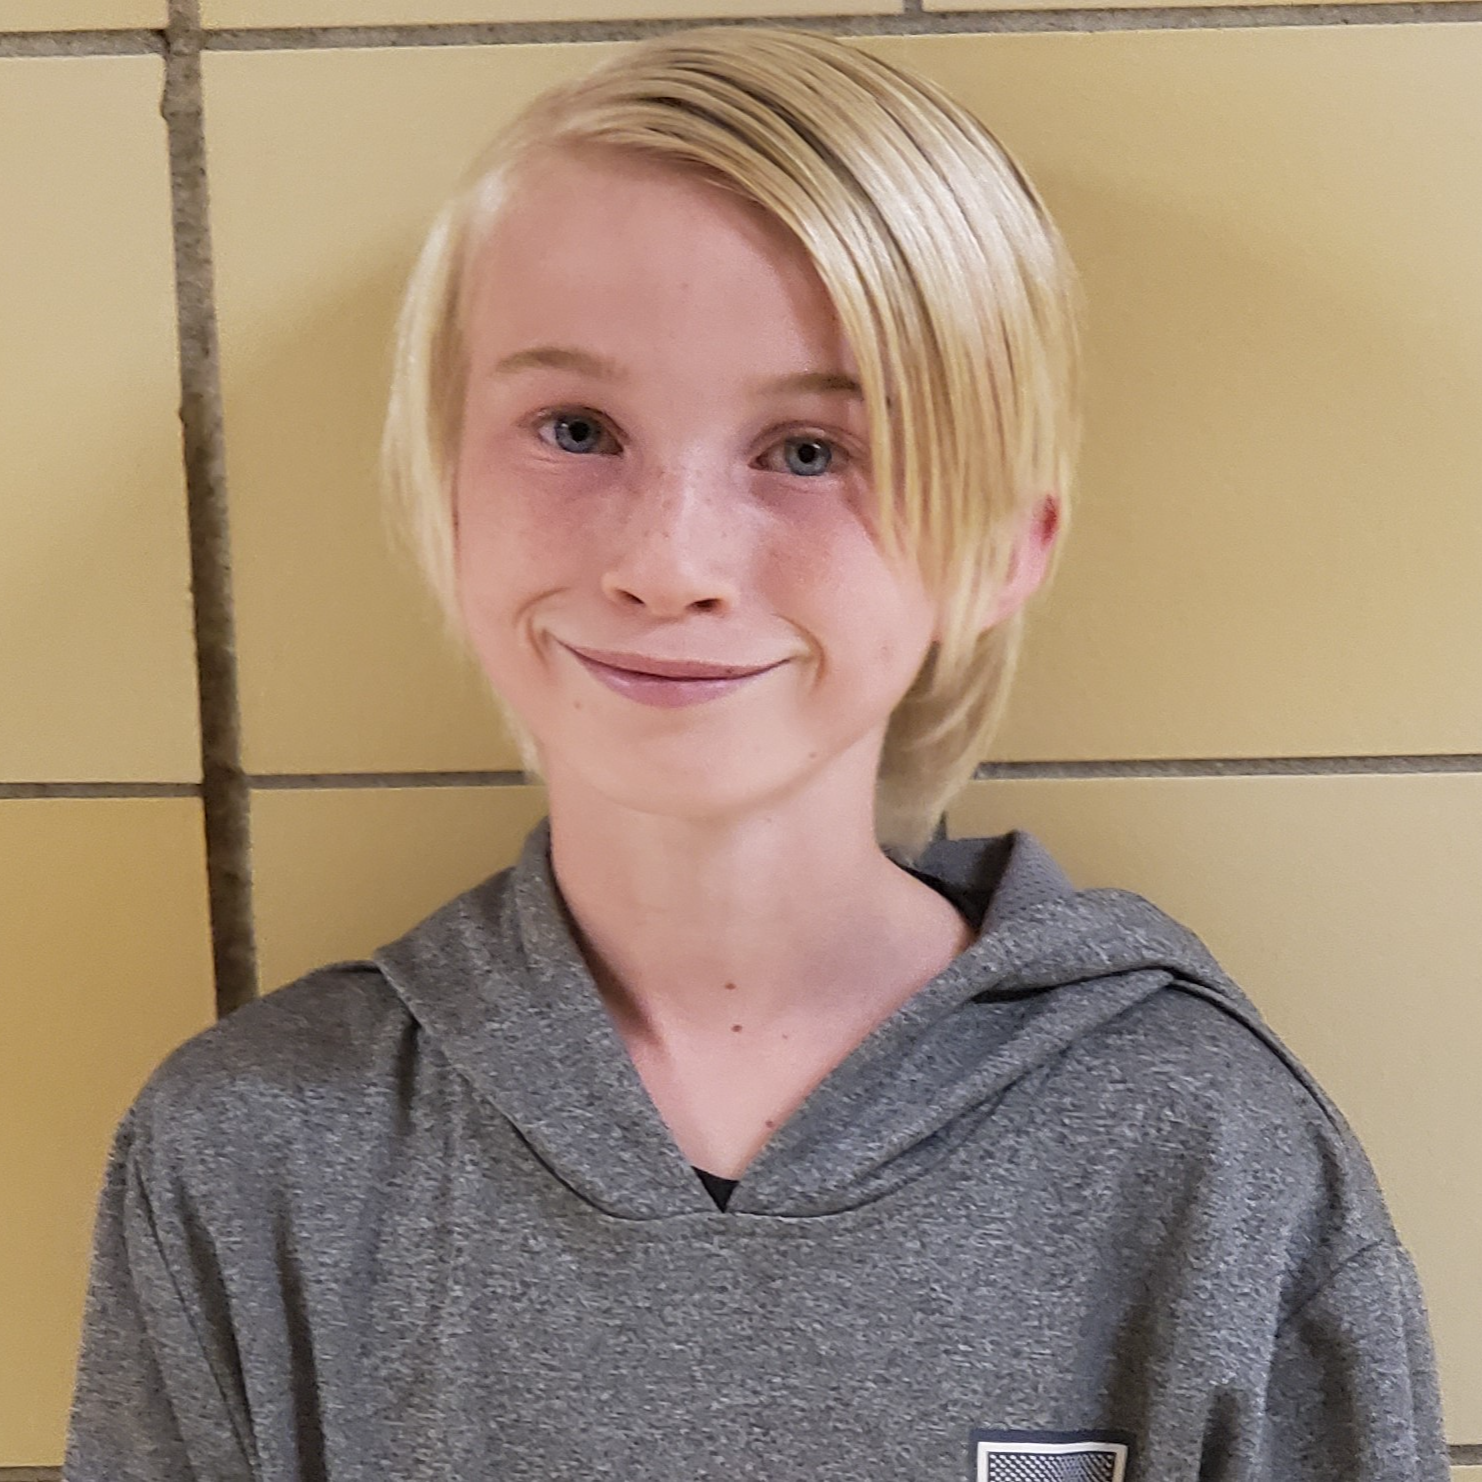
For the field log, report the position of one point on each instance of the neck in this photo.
(793, 917)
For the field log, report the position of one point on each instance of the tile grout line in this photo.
(224, 793)
(310, 781)
(122, 42)
(1300, 766)
(1149, 769)
(14, 791)
(911, 20)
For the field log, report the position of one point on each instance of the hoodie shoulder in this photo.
(320, 1047)
(1208, 1077)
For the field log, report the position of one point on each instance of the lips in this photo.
(646, 664)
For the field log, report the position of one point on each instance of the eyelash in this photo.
(574, 413)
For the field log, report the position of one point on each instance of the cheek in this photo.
(887, 622)
(513, 539)
(487, 570)
(877, 609)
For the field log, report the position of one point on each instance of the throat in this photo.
(724, 1084)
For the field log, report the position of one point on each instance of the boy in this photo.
(738, 1130)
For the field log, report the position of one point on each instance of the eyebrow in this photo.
(561, 357)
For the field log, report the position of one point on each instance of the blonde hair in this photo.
(953, 288)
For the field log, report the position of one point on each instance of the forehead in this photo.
(604, 249)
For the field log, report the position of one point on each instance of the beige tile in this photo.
(1466, 1474)
(408, 12)
(96, 657)
(1278, 535)
(1346, 907)
(337, 872)
(106, 945)
(79, 15)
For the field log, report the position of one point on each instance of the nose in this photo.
(676, 543)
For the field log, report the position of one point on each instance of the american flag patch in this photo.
(1048, 1456)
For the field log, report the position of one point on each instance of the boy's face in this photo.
(673, 510)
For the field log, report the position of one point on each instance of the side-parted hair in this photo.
(953, 287)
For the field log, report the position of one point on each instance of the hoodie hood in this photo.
(497, 981)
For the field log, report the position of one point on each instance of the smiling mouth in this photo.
(677, 670)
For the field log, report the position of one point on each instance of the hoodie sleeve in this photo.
(148, 1404)
(1352, 1393)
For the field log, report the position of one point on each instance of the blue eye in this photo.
(818, 453)
(587, 427)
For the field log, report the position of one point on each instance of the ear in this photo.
(1028, 563)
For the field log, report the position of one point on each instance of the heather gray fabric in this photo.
(417, 1219)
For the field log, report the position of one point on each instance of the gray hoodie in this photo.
(1072, 1214)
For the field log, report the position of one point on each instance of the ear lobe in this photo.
(1028, 563)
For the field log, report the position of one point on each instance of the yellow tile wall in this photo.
(96, 664)
(373, 862)
(106, 960)
(1273, 554)
(104, 939)
(78, 15)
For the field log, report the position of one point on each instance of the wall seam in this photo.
(80, 43)
(1148, 769)
(1153, 770)
(911, 20)
(10, 791)
(302, 781)
(1384, 765)
(1301, 766)
(224, 791)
